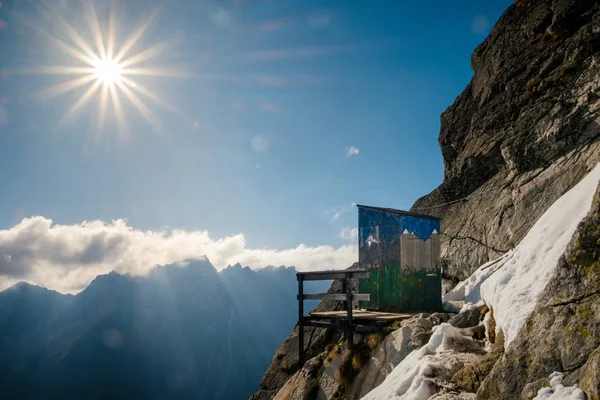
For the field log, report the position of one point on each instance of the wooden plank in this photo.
(318, 324)
(331, 275)
(327, 271)
(336, 296)
(358, 315)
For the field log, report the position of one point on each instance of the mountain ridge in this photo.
(178, 331)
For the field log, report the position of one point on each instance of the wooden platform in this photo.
(359, 315)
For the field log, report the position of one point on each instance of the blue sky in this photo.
(270, 98)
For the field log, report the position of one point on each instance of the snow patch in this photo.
(411, 379)
(559, 392)
(513, 284)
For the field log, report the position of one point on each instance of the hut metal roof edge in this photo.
(398, 212)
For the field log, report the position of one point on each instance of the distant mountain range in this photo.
(178, 333)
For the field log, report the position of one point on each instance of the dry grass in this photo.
(374, 340)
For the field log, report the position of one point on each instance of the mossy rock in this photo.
(469, 378)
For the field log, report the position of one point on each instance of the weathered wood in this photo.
(335, 296)
(358, 315)
(300, 321)
(331, 275)
(321, 324)
(349, 297)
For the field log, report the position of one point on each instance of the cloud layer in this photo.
(67, 258)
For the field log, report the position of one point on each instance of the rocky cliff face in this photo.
(522, 133)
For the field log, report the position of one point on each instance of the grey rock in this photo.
(589, 375)
(467, 319)
(438, 318)
(303, 384)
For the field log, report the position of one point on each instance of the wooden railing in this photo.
(345, 276)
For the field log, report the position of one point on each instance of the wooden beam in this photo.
(336, 296)
(349, 298)
(331, 275)
(300, 321)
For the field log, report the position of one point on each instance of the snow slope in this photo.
(412, 378)
(513, 284)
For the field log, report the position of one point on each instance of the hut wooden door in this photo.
(420, 274)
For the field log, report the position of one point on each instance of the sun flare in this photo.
(101, 69)
(107, 70)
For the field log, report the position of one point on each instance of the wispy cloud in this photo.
(67, 257)
(269, 107)
(352, 151)
(306, 51)
(319, 20)
(260, 143)
(336, 213)
(350, 234)
(221, 18)
(272, 81)
(480, 24)
(277, 24)
(237, 105)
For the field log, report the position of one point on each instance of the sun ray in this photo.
(146, 55)
(71, 33)
(76, 107)
(57, 70)
(116, 103)
(65, 47)
(156, 71)
(102, 108)
(112, 35)
(141, 107)
(92, 18)
(146, 92)
(136, 35)
(65, 87)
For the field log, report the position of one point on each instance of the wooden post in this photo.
(300, 321)
(350, 334)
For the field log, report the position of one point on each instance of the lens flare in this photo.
(101, 68)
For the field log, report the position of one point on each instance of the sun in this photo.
(103, 69)
(107, 70)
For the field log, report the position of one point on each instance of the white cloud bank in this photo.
(67, 257)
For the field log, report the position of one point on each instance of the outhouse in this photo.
(401, 251)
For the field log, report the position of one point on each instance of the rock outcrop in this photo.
(524, 131)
